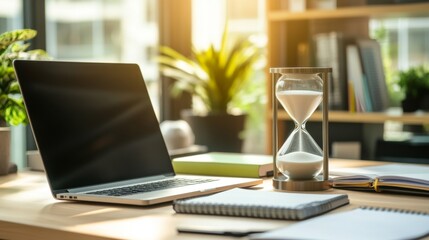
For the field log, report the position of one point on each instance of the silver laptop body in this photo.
(96, 130)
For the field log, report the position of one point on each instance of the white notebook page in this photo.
(368, 224)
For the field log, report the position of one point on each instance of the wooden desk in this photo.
(28, 211)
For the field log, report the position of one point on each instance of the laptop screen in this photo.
(93, 122)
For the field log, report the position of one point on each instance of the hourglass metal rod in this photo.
(325, 130)
(274, 106)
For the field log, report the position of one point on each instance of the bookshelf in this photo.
(289, 45)
(366, 117)
(397, 10)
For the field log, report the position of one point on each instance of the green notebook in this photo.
(225, 164)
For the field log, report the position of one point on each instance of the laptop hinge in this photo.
(118, 184)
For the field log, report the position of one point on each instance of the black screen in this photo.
(93, 122)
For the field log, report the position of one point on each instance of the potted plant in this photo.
(414, 83)
(216, 77)
(12, 109)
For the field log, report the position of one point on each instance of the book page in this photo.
(392, 176)
(421, 179)
(387, 169)
(368, 224)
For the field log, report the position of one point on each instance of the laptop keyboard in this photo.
(153, 186)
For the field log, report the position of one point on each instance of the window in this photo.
(11, 18)
(87, 30)
(405, 44)
(246, 18)
(105, 30)
(10, 15)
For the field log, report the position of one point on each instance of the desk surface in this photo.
(28, 211)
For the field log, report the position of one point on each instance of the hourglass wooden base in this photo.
(316, 184)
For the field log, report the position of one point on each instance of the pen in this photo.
(216, 232)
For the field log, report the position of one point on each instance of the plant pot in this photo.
(424, 103)
(219, 132)
(410, 104)
(4, 150)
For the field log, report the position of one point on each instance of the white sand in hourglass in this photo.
(300, 104)
(300, 165)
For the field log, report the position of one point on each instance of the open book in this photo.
(263, 204)
(391, 177)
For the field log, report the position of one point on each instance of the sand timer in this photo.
(300, 160)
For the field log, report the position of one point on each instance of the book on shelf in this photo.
(225, 164)
(365, 76)
(356, 79)
(262, 204)
(401, 178)
(330, 52)
(351, 101)
(370, 223)
(373, 69)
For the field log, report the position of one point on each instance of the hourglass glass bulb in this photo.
(300, 94)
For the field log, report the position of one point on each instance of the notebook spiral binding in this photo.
(386, 209)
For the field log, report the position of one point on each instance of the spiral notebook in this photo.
(262, 204)
(361, 223)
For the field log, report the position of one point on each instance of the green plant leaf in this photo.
(12, 109)
(414, 82)
(7, 38)
(215, 75)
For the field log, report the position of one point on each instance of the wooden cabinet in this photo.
(289, 44)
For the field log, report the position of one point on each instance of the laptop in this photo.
(99, 137)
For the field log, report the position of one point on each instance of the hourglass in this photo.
(300, 161)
